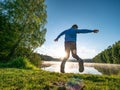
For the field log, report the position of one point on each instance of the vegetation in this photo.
(20, 62)
(49, 58)
(22, 27)
(19, 74)
(21, 79)
(109, 55)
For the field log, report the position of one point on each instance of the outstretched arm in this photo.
(87, 31)
(59, 36)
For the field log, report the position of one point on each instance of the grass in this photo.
(20, 74)
(24, 79)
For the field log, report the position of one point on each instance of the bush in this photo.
(36, 59)
(19, 62)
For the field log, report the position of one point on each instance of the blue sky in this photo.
(87, 14)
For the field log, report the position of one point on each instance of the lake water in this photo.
(70, 67)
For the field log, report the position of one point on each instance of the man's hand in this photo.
(56, 40)
(95, 31)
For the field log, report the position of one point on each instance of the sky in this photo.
(87, 14)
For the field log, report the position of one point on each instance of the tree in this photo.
(109, 55)
(6, 37)
(27, 19)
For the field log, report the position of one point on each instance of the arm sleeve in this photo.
(62, 33)
(84, 31)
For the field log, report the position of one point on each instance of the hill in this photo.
(109, 55)
(48, 58)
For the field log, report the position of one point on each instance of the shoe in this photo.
(81, 66)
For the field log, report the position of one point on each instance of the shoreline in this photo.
(88, 64)
(103, 68)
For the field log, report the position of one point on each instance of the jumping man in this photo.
(70, 45)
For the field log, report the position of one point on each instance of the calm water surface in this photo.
(70, 67)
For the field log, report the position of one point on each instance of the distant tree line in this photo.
(109, 55)
(22, 27)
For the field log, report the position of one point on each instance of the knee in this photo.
(66, 57)
(74, 55)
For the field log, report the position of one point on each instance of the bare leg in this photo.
(67, 50)
(63, 66)
(80, 61)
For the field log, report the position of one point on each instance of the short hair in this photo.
(75, 26)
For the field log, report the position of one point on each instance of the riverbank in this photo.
(21, 79)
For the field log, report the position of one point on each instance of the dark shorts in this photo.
(69, 45)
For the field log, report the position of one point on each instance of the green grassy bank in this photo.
(21, 79)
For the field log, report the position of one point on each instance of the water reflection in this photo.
(70, 67)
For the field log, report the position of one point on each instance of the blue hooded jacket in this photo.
(71, 34)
